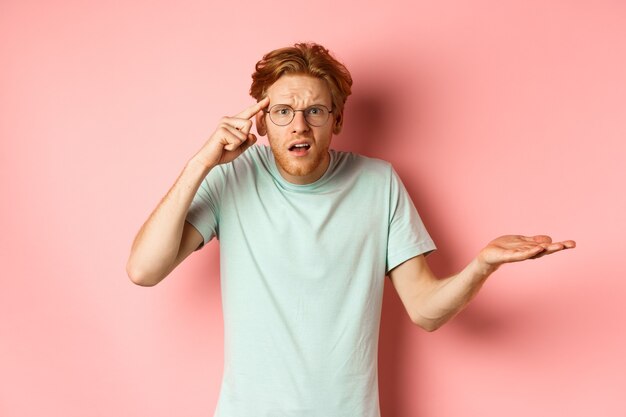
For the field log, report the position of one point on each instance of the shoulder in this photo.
(365, 167)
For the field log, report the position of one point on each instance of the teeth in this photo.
(300, 146)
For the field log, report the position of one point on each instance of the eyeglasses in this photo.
(282, 114)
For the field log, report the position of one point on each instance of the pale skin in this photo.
(165, 239)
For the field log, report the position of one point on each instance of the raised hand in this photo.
(515, 248)
(231, 138)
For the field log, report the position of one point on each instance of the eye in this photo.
(281, 110)
(316, 111)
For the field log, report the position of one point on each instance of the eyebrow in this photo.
(270, 105)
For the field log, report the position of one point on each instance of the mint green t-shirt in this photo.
(302, 275)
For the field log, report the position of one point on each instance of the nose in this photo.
(299, 123)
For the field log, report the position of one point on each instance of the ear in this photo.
(260, 123)
(338, 123)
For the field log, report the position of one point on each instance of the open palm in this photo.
(515, 248)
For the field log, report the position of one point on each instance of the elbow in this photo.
(140, 276)
(430, 325)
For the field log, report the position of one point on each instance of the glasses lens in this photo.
(281, 114)
(316, 115)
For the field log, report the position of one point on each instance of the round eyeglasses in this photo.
(282, 114)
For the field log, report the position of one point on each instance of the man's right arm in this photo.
(166, 239)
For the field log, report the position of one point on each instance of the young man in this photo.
(307, 236)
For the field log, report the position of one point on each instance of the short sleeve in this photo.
(204, 210)
(407, 235)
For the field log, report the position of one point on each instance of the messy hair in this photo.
(303, 59)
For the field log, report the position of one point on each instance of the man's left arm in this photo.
(431, 302)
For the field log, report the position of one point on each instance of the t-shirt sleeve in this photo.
(407, 236)
(204, 211)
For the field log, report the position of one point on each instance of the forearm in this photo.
(446, 297)
(164, 241)
(157, 244)
(431, 302)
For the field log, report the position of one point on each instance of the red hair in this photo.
(305, 59)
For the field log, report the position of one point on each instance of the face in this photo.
(307, 162)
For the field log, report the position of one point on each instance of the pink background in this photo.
(501, 117)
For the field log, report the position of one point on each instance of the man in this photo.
(307, 235)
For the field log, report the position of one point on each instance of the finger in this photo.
(566, 244)
(553, 247)
(556, 247)
(232, 138)
(232, 146)
(249, 142)
(254, 109)
(243, 125)
(229, 130)
(569, 244)
(243, 146)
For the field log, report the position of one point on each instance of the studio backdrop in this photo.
(500, 117)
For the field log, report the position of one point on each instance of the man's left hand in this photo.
(515, 248)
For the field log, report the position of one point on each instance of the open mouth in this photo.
(300, 147)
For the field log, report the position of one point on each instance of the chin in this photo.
(298, 169)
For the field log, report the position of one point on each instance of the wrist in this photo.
(483, 267)
(199, 166)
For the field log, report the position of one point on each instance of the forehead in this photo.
(299, 89)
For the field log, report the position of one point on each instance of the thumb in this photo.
(249, 142)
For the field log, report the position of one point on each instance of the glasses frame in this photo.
(293, 116)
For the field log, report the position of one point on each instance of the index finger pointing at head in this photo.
(254, 109)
